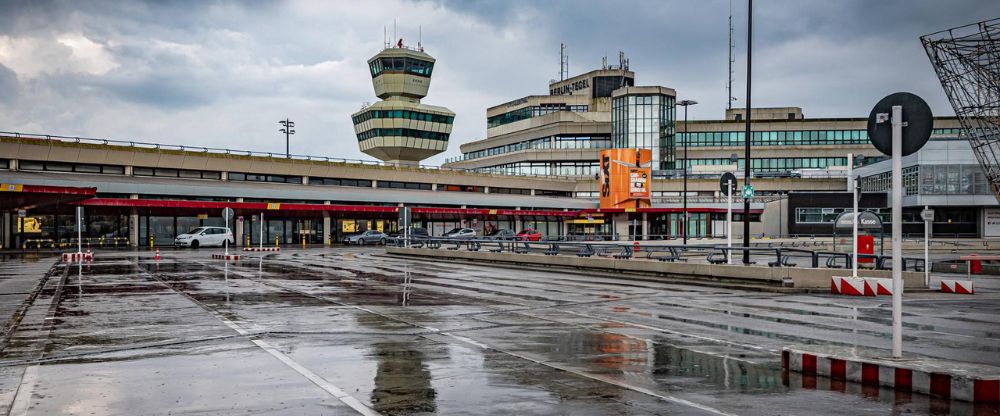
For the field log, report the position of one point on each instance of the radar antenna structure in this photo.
(967, 62)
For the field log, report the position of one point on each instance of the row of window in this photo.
(933, 180)
(404, 185)
(812, 215)
(569, 168)
(71, 167)
(776, 163)
(418, 134)
(176, 173)
(260, 177)
(512, 191)
(784, 138)
(551, 142)
(361, 183)
(533, 111)
(402, 65)
(403, 114)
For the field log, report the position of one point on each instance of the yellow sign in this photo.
(30, 225)
(202, 216)
(11, 187)
(273, 205)
(629, 209)
(585, 221)
(493, 212)
(348, 226)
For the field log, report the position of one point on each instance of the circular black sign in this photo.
(726, 177)
(917, 123)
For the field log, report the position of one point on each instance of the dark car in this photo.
(503, 235)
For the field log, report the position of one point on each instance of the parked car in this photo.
(503, 235)
(204, 237)
(367, 237)
(415, 232)
(529, 234)
(461, 233)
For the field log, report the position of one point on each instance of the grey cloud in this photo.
(8, 85)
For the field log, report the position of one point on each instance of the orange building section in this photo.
(626, 176)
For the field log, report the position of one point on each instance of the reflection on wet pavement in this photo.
(347, 331)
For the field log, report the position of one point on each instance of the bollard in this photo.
(248, 241)
(303, 241)
(157, 256)
(150, 241)
(275, 241)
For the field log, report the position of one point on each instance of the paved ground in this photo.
(347, 331)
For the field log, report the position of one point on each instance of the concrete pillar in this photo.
(645, 226)
(224, 176)
(13, 164)
(532, 192)
(7, 229)
(374, 183)
(327, 231)
(133, 224)
(128, 170)
(238, 233)
(518, 224)
(621, 225)
(486, 189)
(305, 180)
(434, 187)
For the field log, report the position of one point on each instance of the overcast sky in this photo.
(223, 73)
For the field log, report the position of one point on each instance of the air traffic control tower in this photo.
(399, 129)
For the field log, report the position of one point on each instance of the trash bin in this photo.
(975, 266)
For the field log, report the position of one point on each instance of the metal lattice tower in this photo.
(967, 61)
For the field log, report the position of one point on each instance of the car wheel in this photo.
(195, 244)
(361, 241)
(232, 241)
(382, 241)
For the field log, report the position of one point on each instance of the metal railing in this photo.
(251, 153)
(714, 254)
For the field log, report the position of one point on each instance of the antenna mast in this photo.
(563, 62)
(732, 59)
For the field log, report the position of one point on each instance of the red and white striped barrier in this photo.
(875, 286)
(78, 256)
(261, 248)
(232, 257)
(961, 287)
(937, 379)
(851, 286)
(860, 286)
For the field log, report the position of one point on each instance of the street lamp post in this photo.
(746, 144)
(287, 129)
(684, 166)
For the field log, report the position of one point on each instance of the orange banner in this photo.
(626, 178)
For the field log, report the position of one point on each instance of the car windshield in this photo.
(454, 230)
(196, 230)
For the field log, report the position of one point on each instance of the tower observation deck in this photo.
(400, 129)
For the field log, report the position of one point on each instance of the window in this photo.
(404, 114)
(362, 183)
(255, 177)
(419, 134)
(525, 113)
(67, 167)
(411, 66)
(403, 185)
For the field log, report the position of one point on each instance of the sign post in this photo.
(261, 239)
(728, 183)
(79, 231)
(854, 260)
(928, 216)
(226, 214)
(897, 143)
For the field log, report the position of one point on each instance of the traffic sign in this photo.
(748, 191)
(227, 212)
(726, 179)
(22, 213)
(927, 215)
(917, 123)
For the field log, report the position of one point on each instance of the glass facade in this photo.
(784, 137)
(549, 142)
(410, 66)
(776, 163)
(566, 168)
(533, 111)
(403, 114)
(419, 134)
(933, 180)
(645, 121)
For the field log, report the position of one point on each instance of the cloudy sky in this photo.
(219, 73)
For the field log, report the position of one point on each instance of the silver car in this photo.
(460, 233)
(204, 237)
(367, 237)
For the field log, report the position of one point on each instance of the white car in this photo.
(204, 237)
(460, 233)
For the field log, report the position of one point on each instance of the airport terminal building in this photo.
(536, 168)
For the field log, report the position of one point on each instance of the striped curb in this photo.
(903, 376)
(961, 287)
(261, 249)
(78, 256)
(861, 286)
(232, 257)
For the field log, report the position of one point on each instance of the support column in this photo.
(133, 225)
(621, 225)
(239, 231)
(7, 229)
(645, 226)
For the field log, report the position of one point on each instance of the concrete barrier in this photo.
(804, 278)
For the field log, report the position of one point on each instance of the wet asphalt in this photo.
(351, 330)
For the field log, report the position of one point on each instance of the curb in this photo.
(232, 257)
(261, 249)
(961, 287)
(941, 380)
(88, 256)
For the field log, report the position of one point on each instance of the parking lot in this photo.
(351, 330)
